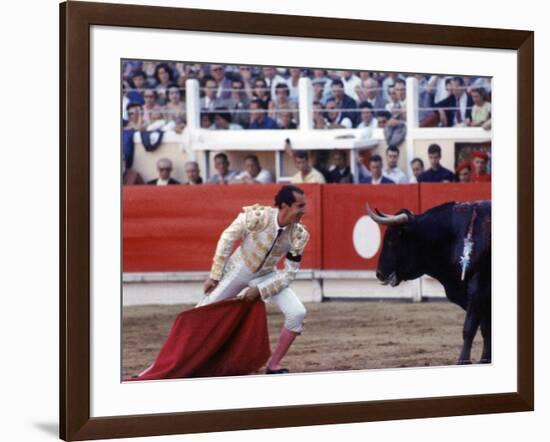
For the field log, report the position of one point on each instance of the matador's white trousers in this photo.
(239, 277)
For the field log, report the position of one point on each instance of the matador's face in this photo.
(295, 212)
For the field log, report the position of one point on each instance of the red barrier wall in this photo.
(344, 210)
(434, 194)
(176, 228)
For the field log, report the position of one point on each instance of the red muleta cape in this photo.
(226, 338)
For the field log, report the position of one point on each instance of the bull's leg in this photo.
(473, 319)
(471, 324)
(486, 333)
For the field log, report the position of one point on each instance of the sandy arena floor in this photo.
(337, 335)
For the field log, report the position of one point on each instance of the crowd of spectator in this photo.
(253, 97)
(241, 97)
(317, 167)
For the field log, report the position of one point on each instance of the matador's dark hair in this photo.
(286, 195)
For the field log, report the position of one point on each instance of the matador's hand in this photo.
(251, 293)
(209, 285)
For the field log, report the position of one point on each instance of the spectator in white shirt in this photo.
(253, 172)
(367, 116)
(392, 171)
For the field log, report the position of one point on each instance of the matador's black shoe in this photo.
(278, 371)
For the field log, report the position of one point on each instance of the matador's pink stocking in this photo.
(286, 338)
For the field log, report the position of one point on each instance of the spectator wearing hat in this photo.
(479, 167)
(436, 173)
(464, 172)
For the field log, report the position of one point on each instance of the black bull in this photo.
(433, 243)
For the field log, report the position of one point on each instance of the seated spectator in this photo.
(135, 117)
(260, 92)
(207, 119)
(456, 109)
(175, 108)
(158, 122)
(318, 85)
(306, 173)
(340, 172)
(272, 79)
(382, 118)
(150, 107)
(481, 110)
(371, 93)
(292, 82)
(392, 171)
(479, 167)
(210, 100)
(367, 116)
(282, 103)
(224, 84)
(193, 173)
(343, 102)
(164, 76)
(253, 172)
(258, 117)
(164, 167)
(417, 167)
(285, 120)
(223, 120)
(397, 104)
(375, 169)
(139, 81)
(436, 173)
(335, 118)
(238, 102)
(318, 118)
(130, 176)
(464, 172)
(224, 175)
(352, 84)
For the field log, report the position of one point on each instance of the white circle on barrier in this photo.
(366, 237)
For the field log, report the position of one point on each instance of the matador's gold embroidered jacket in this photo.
(256, 227)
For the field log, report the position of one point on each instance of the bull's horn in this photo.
(388, 220)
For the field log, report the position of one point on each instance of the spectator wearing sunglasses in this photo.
(164, 166)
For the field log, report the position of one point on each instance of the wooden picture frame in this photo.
(76, 18)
